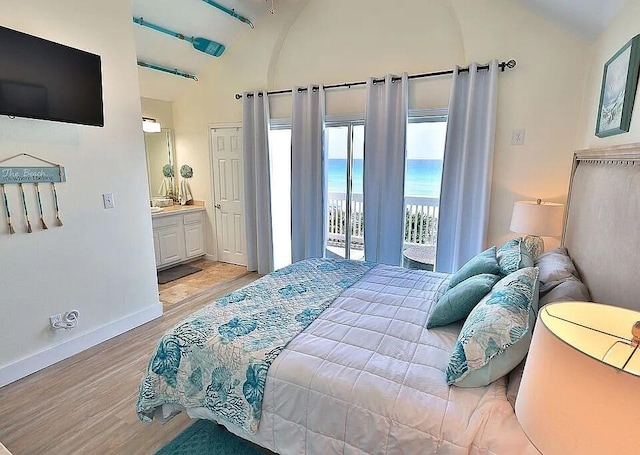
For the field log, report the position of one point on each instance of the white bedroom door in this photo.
(228, 200)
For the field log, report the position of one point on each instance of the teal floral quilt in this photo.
(218, 358)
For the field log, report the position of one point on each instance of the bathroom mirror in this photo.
(160, 153)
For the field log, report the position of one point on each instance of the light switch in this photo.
(517, 137)
(107, 200)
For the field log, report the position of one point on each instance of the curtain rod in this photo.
(503, 65)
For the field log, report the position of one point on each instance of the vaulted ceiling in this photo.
(196, 18)
(585, 18)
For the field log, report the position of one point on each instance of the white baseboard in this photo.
(210, 257)
(54, 354)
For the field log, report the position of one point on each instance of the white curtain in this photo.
(257, 188)
(468, 159)
(308, 171)
(385, 131)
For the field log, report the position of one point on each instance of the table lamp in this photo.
(537, 218)
(580, 392)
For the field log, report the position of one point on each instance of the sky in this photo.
(425, 141)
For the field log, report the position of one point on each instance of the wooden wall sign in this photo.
(20, 175)
(32, 174)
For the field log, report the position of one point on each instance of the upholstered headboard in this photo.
(602, 224)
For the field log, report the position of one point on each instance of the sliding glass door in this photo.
(425, 154)
(344, 143)
(345, 154)
(423, 176)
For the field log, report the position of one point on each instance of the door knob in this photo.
(217, 206)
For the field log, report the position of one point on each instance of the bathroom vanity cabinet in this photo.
(178, 235)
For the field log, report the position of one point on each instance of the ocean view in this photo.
(422, 179)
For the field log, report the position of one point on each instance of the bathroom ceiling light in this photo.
(149, 125)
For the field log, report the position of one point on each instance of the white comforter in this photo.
(367, 377)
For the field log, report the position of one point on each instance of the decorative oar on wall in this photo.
(55, 203)
(164, 69)
(232, 12)
(6, 210)
(200, 44)
(24, 206)
(42, 223)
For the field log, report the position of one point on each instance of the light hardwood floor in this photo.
(212, 273)
(86, 404)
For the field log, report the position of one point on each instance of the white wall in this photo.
(101, 262)
(335, 41)
(622, 28)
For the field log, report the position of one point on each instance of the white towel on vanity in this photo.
(164, 187)
(184, 195)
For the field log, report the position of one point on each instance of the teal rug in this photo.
(207, 438)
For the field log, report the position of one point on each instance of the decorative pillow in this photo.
(484, 262)
(555, 267)
(497, 333)
(458, 302)
(570, 289)
(513, 256)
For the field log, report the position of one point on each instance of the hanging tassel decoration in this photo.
(26, 212)
(6, 209)
(42, 223)
(55, 201)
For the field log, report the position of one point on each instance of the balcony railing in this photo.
(421, 220)
(337, 204)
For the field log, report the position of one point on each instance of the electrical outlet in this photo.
(517, 137)
(108, 201)
(55, 319)
(67, 321)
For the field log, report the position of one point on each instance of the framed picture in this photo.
(618, 92)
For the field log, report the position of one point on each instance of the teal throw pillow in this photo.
(458, 302)
(496, 336)
(514, 255)
(484, 262)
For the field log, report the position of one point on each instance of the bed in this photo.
(361, 373)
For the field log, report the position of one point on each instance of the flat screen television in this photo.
(45, 80)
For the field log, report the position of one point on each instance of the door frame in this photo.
(211, 127)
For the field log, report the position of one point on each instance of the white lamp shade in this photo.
(544, 219)
(570, 401)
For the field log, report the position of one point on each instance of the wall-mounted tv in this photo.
(45, 80)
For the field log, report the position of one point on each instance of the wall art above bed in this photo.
(619, 83)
